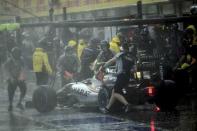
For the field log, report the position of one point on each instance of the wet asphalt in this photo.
(83, 118)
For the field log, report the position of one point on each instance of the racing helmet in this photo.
(68, 49)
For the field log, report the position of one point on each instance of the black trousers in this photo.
(121, 82)
(12, 86)
(42, 78)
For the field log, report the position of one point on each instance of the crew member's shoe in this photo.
(10, 108)
(127, 108)
(20, 106)
(105, 110)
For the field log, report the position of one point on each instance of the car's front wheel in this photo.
(44, 99)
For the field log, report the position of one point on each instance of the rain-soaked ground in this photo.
(89, 118)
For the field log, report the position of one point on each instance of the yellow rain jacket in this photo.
(194, 35)
(40, 61)
(82, 45)
(72, 43)
(114, 46)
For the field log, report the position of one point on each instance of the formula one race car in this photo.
(90, 91)
(45, 98)
(85, 92)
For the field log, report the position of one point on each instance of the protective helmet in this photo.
(116, 39)
(104, 44)
(72, 43)
(193, 10)
(191, 29)
(16, 52)
(68, 49)
(82, 42)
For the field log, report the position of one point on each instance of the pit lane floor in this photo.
(63, 119)
(83, 119)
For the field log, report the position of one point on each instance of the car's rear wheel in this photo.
(44, 99)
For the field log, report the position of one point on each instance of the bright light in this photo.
(151, 90)
(126, 19)
(157, 109)
(138, 75)
(152, 125)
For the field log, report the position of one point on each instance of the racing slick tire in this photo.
(103, 98)
(44, 99)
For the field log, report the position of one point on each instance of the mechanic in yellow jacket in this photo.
(82, 45)
(73, 43)
(41, 66)
(189, 43)
(115, 44)
(191, 32)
